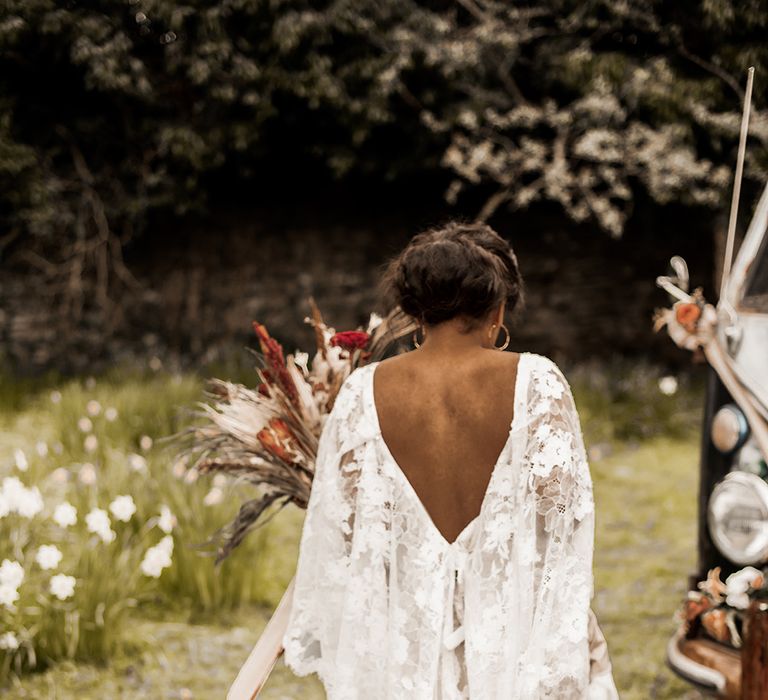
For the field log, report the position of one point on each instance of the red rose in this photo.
(350, 340)
(687, 314)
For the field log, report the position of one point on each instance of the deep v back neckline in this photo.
(519, 407)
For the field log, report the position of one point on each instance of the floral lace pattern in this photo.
(385, 608)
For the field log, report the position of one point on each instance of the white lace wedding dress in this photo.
(385, 608)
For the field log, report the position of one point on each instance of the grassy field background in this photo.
(187, 636)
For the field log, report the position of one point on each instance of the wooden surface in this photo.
(754, 653)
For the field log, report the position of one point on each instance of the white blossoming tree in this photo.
(582, 103)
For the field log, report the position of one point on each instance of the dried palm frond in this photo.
(267, 436)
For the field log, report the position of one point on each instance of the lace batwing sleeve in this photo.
(311, 638)
(556, 661)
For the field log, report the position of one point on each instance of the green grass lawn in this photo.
(189, 640)
(644, 551)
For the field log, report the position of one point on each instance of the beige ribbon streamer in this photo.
(255, 671)
(601, 683)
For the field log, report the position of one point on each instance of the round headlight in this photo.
(738, 518)
(729, 428)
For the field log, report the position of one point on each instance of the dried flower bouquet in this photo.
(267, 436)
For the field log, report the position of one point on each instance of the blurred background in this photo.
(173, 171)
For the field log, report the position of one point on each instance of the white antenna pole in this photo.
(737, 183)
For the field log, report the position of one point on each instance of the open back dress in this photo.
(386, 608)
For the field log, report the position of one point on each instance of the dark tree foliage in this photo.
(112, 110)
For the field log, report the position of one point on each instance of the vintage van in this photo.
(733, 487)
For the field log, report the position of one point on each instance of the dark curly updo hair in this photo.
(457, 270)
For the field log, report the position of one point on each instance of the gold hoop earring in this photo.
(506, 342)
(416, 343)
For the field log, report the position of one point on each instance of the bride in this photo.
(447, 547)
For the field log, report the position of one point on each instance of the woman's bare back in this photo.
(445, 423)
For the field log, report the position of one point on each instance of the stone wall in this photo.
(204, 282)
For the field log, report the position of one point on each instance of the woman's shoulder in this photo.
(355, 380)
(547, 379)
(353, 401)
(353, 384)
(541, 365)
(544, 363)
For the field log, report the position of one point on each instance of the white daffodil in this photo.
(65, 514)
(111, 414)
(31, 504)
(60, 475)
(167, 520)
(123, 508)
(9, 641)
(137, 462)
(20, 459)
(20, 499)
(11, 573)
(12, 489)
(41, 447)
(55, 396)
(8, 595)
(62, 586)
(88, 474)
(107, 536)
(145, 442)
(97, 521)
(668, 385)
(213, 497)
(157, 558)
(48, 556)
(154, 562)
(91, 443)
(93, 407)
(166, 545)
(85, 424)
